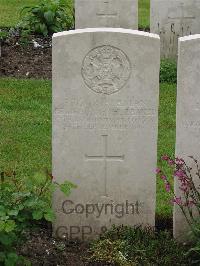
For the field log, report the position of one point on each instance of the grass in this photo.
(10, 12)
(144, 14)
(25, 135)
(166, 141)
(25, 125)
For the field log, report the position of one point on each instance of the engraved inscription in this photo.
(105, 158)
(106, 69)
(192, 125)
(106, 13)
(117, 115)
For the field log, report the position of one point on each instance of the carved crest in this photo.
(106, 69)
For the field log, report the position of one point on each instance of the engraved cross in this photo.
(182, 16)
(105, 158)
(106, 13)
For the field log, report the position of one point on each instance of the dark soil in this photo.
(164, 223)
(25, 61)
(41, 249)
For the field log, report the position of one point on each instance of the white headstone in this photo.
(172, 19)
(188, 117)
(106, 13)
(105, 112)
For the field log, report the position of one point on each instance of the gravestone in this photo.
(188, 117)
(106, 13)
(105, 112)
(173, 19)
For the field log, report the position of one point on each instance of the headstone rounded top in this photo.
(106, 69)
(189, 37)
(110, 30)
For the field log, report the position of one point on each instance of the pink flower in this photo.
(158, 171)
(165, 158)
(179, 173)
(179, 161)
(163, 177)
(182, 178)
(167, 187)
(178, 201)
(171, 162)
(183, 181)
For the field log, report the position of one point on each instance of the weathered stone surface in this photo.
(109, 13)
(173, 19)
(105, 112)
(188, 117)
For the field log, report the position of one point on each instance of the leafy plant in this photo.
(168, 71)
(127, 246)
(189, 200)
(47, 17)
(194, 251)
(22, 201)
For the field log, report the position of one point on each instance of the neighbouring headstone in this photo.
(106, 13)
(187, 118)
(105, 112)
(172, 19)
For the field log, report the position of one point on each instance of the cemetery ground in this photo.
(25, 147)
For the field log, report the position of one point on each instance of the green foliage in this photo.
(47, 17)
(168, 71)
(166, 143)
(3, 35)
(127, 246)
(22, 201)
(144, 14)
(24, 38)
(194, 251)
(109, 251)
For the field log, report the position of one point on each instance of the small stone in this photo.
(37, 45)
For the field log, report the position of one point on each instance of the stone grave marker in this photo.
(172, 19)
(106, 13)
(188, 117)
(105, 112)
